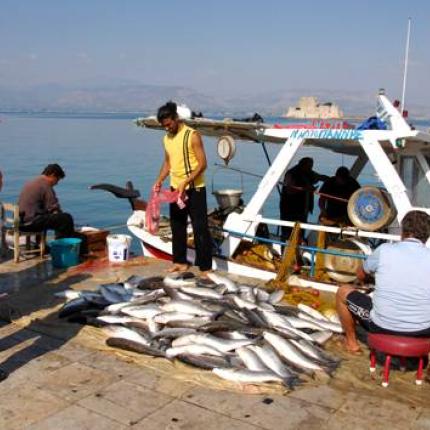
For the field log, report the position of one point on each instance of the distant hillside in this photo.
(136, 97)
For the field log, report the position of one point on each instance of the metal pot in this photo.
(228, 198)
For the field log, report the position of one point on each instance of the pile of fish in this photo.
(240, 332)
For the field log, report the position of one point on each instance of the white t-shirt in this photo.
(401, 301)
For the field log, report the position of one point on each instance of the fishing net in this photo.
(152, 215)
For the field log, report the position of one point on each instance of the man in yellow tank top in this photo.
(185, 163)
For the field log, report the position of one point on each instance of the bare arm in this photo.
(361, 274)
(164, 171)
(199, 150)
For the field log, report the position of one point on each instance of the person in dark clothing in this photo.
(335, 193)
(40, 210)
(297, 198)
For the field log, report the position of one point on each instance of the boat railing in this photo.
(343, 231)
(313, 250)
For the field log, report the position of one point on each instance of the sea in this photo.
(110, 148)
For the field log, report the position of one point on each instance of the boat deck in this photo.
(63, 376)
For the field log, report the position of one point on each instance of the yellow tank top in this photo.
(182, 158)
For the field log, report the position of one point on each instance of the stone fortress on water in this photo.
(308, 107)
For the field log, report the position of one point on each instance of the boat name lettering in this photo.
(327, 134)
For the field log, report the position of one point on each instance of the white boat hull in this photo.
(154, 246)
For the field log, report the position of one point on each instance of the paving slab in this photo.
(161, 383)
(423, 421)
(260, 410)
(76, 381)
(29, 404)
(112, 364)
(125, 402)
(180, 415)
(322, 395)
(76, 418)
(360, 412)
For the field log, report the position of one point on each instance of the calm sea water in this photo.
(110, 148)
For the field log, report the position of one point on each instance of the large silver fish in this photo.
(224, 345)
(247, 376)
(312, 312)
(207, 362)
(167, 317)
(321, 337)
(193, 349)
(141, 311)
(131, 345)
(126, 333)
(218, 279)
(188, 307)
(290, 353)
(181, 279)
(115, 293)
(276, 297)
(201, 292)
(251, 359)
(271, 360)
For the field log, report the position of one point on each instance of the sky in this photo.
(220, 47)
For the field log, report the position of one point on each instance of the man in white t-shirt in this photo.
(401, 300)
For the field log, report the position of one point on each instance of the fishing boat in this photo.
(398, 153)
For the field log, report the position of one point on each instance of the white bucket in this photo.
(118, 247)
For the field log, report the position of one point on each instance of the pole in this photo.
(405, 72)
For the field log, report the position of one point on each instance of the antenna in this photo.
(405, 72)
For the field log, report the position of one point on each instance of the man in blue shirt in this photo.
(401, 300)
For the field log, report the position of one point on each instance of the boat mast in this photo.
(405, 72)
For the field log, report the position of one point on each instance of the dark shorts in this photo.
(360, 305)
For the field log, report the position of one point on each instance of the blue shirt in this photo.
(401, 301)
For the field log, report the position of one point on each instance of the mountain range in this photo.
(143, 98)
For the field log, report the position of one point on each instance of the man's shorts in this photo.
(360, 305)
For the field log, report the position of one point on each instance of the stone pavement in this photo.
(57, 383)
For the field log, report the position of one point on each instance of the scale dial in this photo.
(226, 148)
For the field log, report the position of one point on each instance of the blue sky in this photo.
(225, 47)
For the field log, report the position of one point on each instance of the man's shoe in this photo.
(3, 375)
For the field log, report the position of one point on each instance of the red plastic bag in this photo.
(152, 215)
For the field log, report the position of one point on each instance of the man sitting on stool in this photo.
(40, 210)
(401, 300)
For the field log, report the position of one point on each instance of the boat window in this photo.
(413, 177)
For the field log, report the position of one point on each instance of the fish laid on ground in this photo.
(223, 345)
(68, 294)
(321, 337)
(115, 293)
(193, 349)
(290, 353)
(312, 312)
(218, 279)
(167, 317)
(207, 362)
(131, 345)
(241, 332)
(247, 376)
(181, 279)
(126, 333)
(201, 292)
(251, 359)
(187, 307)
(271, 360)
(141, 311)
(276, 297)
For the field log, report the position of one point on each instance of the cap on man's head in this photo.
(54, 170)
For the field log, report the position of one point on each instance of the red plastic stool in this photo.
(400, 346)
